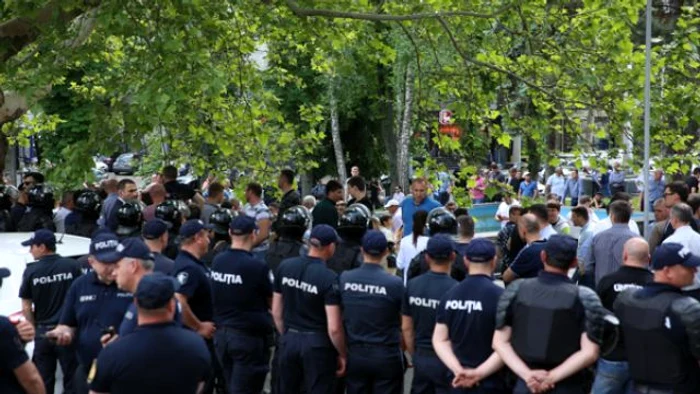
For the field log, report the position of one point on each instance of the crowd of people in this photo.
(188, 290)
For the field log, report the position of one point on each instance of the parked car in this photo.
(126, 163)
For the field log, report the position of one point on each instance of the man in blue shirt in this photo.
(528, 187)
(158, 357)
(421, 300)
(306, 310)
(573, 188)
(371, 299)
(417, 201)
(466, 321)
(93, 306)
(528, 263)
(242, 295)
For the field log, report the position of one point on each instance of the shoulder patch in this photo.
(182, 277)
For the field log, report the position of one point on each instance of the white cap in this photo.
(391, 203)
(526, 173)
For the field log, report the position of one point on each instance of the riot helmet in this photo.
(441, 221)
(129, 219)
(354, 222)
(294, 222)
(169, 211)
(40, 196)
(221, 219)
(88, 203)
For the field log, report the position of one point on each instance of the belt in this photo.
(645, 389)
(295, 331)
(244, 332)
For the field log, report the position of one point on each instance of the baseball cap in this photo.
(391, 203)
(374, 243)
(480, 250)
(561, 247)
(193, 226)
(155, 290)
(41, 237)
(132, 247)
(154, 228)
(103, 246)
(323, 235)
(440, 246)
(242, 225)
(669, 254)
(526, 173)
(4, 273)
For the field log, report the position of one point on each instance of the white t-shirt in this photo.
(407, 251)
(558, 184)
(504, 210)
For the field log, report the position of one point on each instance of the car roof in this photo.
(15, 257)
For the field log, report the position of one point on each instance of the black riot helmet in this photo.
(221, 219)
(169, 211)
(354, 222)
(40, 196)
(442, 221)
(8, 194)
(129, 219)
(294, 222)
(88, 203)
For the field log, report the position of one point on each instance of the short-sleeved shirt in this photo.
(193, 276)
(557, 183)
(469, 312)
(12, 356)
(93, 306)
(163, 264)
(371, 299)
(409, 207)
(241, 290)
(130, 321)
(259, 212)
(421, 301)
(528, 189)
(178, 191)
(46, 284)
(528, 263)
(155, 358)
(306, 286)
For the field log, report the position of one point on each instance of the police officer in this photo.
(548, 330)
(661, 325)
(440, 221)
(155, 235)
(291, 226)
(158, 357)
(169, 211)
(306, 310)
(44, 287)
(420, 303)
(93, 307)
(194, 293)
(18, 375)
(129, 220)
(83, 220)
(371, 300)
(466, 321)
(242, 294)
(352, 226)
(220, 219)
(39, 213)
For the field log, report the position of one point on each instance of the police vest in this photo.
(419, 265)
(281, 250)
(346, 257)
(653, 357)
(545, 330)
(36, 219)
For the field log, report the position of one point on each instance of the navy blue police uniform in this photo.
(130, 321)
(307, 358)
(421, 300)
(242, 291)
(468, 310)
(92, 306)
(45, 283)
(371, 300)
(156, 358)
(12, 356)
(548, 314)
(661, 327)
(528, 263)
(154, 229)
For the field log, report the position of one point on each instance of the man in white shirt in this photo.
(502, 214)
(681, 216)
(556, 183)
(394, 209)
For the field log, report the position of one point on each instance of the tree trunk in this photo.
(406, 128)
(335, 133)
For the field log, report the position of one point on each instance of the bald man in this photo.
(157, 193)
(613, 370)
(111, 188)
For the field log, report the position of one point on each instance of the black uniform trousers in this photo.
(244, 359)
(374, 369)
(430, 375)
(307, 363)
(47, 354)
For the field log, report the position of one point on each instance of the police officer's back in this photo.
(543, 321)
(242, 293)
(291, 226)
(159, 356)
(306, 310)
(155, 236)
(421, 300)
(83, 220)
(220, 219)
(45, 284)
(352, 225)
(661, 325)
(371, 299)
(466, 322)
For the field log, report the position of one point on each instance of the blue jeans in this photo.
(612, 377)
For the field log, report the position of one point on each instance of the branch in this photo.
(333, 14)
